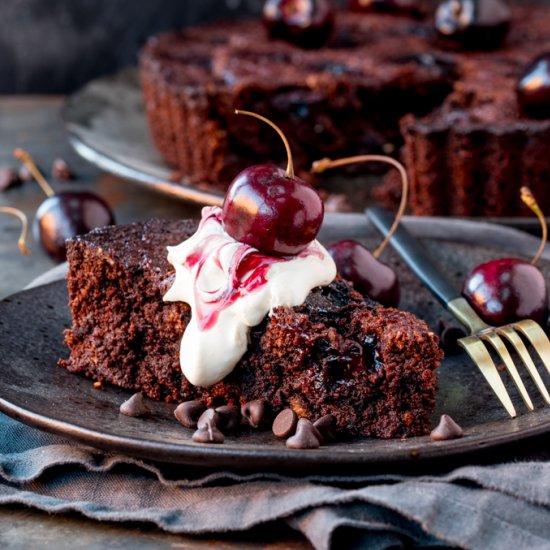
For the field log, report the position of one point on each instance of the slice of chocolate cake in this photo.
(372, 368)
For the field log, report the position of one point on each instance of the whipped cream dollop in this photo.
(231, 287)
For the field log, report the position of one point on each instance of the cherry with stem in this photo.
(271, 209)
(507, 290)
(64, 215)
(355, 262)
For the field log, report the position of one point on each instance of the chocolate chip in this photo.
(230, 417)
(61, 170)
(285, 423)
(327, 427)
(446, 429)
(211, 434)
(188, 413)
(449, 335)
(8, 178)
(306, 436)
(208, 418)
(255, 413)
(135, 406)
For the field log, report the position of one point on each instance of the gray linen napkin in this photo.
(492, 507)
(479, 507)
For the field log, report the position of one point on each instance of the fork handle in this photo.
(422, 265)
(414, 256)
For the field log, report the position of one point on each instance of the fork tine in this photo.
(511, 335)
(538, 339)
(504, 354)
(478, 352)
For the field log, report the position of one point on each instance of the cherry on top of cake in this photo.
(272, 209)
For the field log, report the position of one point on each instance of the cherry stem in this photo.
(325, 164)
(290, 165)
(26, 159)
(24, 227)
(528, 198)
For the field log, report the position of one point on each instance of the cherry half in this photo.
(271, 209)
(64, 215)
(533, 88)
(394, 6)
(509, 289)
(475, 24)
(356, 263)
(305, 23)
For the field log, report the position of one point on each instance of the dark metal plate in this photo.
(36, 391)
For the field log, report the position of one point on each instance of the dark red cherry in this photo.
(475, 24)
(270, 208)
(533, 88)
(368, 275)
(507, 290)
(395, 6)
(67, 214)
(63, 215)
(275, 213)
(306, 23)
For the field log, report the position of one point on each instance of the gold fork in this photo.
(481, 334)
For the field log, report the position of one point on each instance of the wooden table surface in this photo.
(34, 123)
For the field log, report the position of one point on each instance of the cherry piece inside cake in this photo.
(338, 353)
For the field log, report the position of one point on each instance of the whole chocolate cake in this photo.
(337, 353)
(382, 80)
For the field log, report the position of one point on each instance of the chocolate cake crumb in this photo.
(61, 170)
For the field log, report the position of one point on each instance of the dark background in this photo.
(54, 46)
